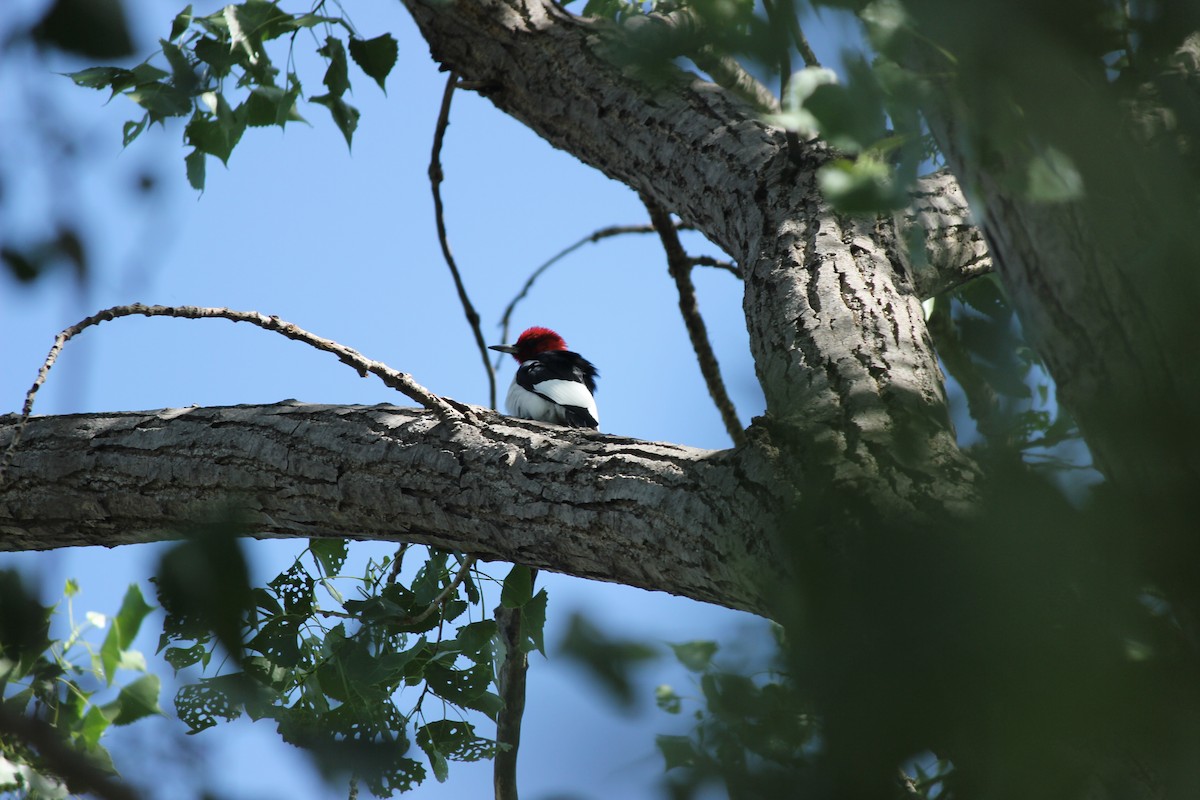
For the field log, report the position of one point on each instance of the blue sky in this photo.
(343, 244)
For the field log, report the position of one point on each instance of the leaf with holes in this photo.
(456, 740)
(330, 554)
(294, 587)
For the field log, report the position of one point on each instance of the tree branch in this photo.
(593, 237)
(435, 182)
(390, 377)
(940, 245)
(657, 516)
(680, 267)
(511, 683)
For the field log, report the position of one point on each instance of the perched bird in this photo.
(552, 384)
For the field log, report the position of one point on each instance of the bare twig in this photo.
(399, 381)
(680, 267)
(435, 183)
(709, 261)
(593, 237)
(798, 37)
(73, 766)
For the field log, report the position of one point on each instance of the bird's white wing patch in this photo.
(563, 392)
(569, 393)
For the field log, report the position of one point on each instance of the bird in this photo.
(552, 384)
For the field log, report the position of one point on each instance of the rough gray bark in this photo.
(854, 393)
(646, 514)
(853, 389)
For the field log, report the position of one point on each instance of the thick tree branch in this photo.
(940, 243)
(835, 323)
(658, 516)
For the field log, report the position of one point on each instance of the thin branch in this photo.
(727, 73)
(593, 237)
(435, 182)
(399, 381)
(798, 37)
(437, 602)
(79, 773)
(709, 261)
(680, 267)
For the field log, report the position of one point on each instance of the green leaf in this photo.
(98, 77)
(161, 99)
(458, 686)
(294, 587)
(801, 85)
(533, 622)
(218, 134)
(183, 69)
(133, 129)
(95, 723)
(138, 699)
(217, 55)
(262, 20)
(345, 116)
(666, 699)
(376, 57)
(863, 186)
(278, 640)
(337, 76)
(518, 587)
(180, 657)
(455, 739)
(90, 28)
(329, 553)
(182, 20)
(1053, 178)
(677, 751)
(486, 703)
(476, 641)
(696, 655)
(198, 706)
(124, 629)
(610, 661)
(71, 588)
(203, 582)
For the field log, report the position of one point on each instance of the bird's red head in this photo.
(537, 340)
(533, 341)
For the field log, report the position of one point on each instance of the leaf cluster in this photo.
(217, 71)
(1009, 393)
(751, 733)
(350, 678)
(67, 686)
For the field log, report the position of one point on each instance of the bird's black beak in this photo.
(511, 349)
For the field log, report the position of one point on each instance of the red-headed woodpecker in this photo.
(552, 384)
